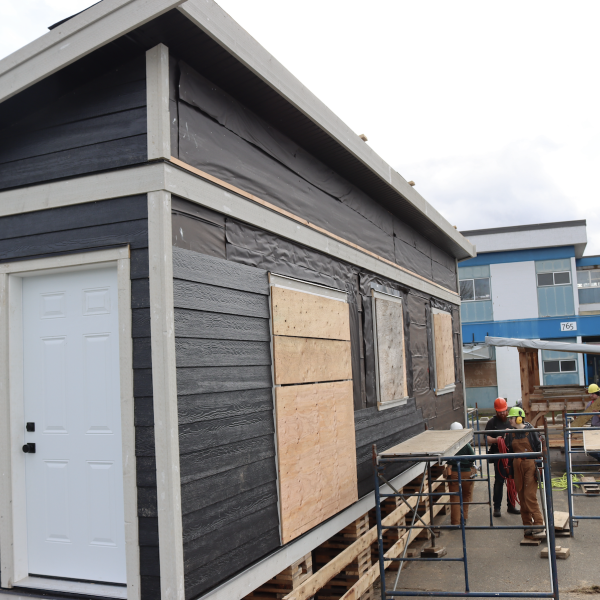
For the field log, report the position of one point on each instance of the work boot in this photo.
(513, 510)
(497, 512)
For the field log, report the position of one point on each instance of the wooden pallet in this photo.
(350, 574)
(289, 579)
(590, 485)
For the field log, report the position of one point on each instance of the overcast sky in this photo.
(492, 108)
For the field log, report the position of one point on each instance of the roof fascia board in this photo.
(74, 39)
(216, 23)
(163, 176)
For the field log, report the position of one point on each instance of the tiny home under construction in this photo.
(215, 298)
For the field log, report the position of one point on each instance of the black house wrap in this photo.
(246, 175)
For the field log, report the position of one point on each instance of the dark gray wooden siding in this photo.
(96, 126)
(93, 226)
(226, 428)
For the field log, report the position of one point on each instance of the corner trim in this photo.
(164, 391)
(157, 100)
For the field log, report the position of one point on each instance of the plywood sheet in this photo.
(299, 314)
(480, 373)
(390, 350)
(307, 360)
(316, 454)
(444, 351)
(591, 441)
(435, 442)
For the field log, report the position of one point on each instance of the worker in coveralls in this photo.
(467, 472)
(525, 469)
(499, 422)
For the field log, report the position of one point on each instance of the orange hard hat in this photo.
(500, 404)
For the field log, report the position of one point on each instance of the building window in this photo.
(560, 366)
(475, 289)
(555, 288)
(589, 278)
(558, 278)
(475, 293)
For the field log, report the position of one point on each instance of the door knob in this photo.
(30, 448)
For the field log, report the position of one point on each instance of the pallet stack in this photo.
(348, 576)
(289, 579)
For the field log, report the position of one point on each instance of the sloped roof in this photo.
(200, 32)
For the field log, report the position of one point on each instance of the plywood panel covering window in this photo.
(314, 404)
(391, 360)
(444, 351)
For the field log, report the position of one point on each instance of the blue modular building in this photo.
(529, 281)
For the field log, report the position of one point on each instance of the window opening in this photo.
(556, 278)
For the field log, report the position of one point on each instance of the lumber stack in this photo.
(556, 398)
(285, 582)
(351, 573)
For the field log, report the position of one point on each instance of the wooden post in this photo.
(530, 376)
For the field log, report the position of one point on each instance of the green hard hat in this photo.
(515, 411)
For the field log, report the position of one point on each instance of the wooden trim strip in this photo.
(294, 217)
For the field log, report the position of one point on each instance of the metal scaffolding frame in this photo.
(569, 451)
(379, 462)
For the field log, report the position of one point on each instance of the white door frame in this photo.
(13, 522)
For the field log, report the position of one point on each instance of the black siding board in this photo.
(144, 441)
(369, 435)
(90, 132)
(221, 353)
(147, 502)
(206, 549)
(194, 323)
(149, 560)
(140, 293)
(217, 488)
(145, 470)
(201, 268)
(226, 565)
(220, 459)
(140, 326)
(78, 161)
(142, 352)
(134, 233)
(221, 405)
(198, 436)
(199, 524)
(148, 531)
(144, 411)
(372, 416)
(142, 382)
(202, 380)
(150, 588)
(138, 263)
(78, 216)
(198, 296)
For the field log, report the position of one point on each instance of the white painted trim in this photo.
(160, 176)
(291, 283)
(215, 22)
(157, 99)
(164, 389)
(392, 404)
(73, 587)
(13, 532)
(452, 386)
(74, 39)
(248, 580)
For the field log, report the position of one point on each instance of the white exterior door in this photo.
(74, 480)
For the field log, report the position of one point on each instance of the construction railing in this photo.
(588, 469)
(380, 461)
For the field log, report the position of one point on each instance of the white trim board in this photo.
(157, 102)
(248, 580)
(164, 388)
(163, 176)
(13, 536)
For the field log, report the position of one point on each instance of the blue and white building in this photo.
(529, 281)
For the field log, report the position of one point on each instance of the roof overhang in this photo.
(111, 19)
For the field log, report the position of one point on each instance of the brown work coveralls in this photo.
(467, 493)
(526, 484)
